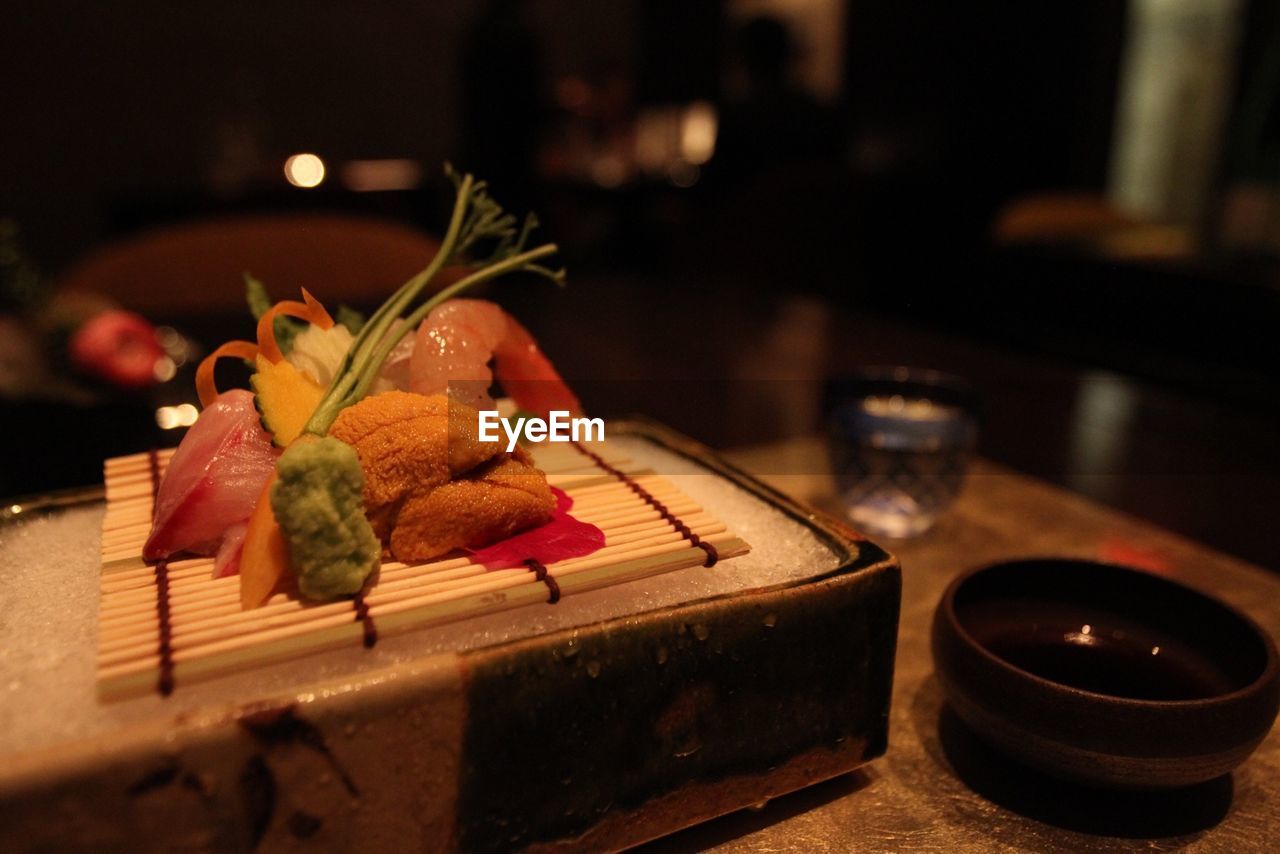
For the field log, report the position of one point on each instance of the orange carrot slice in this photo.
(206, 387)
(309, 310)
(264, 559)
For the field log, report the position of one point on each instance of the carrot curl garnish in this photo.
(309, 310)
(206, 387)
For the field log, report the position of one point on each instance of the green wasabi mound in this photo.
(317, 501)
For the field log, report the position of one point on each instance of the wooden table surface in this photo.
(938, 788)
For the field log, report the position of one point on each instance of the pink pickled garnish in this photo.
(562, 538)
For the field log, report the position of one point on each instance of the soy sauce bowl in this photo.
(1104, 675)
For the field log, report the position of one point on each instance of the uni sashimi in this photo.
(377, 421)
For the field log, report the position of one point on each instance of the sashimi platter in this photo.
(356, 489)
(403, 590)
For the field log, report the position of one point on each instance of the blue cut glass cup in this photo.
(900, 441)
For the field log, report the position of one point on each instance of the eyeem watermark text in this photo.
(557, 427)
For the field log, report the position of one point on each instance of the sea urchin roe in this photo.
(502, 497)
(409, 444)
(317, 500)
(430, 484)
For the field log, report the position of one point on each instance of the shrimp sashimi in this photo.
(455, 344)
(212, 482)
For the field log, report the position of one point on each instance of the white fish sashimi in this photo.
(213, 480)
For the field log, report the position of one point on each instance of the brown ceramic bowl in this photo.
(1105, 675)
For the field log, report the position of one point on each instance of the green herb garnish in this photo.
(477, 221)
(350, 318)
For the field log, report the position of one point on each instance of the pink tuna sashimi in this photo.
(563, 538)
(213, 480)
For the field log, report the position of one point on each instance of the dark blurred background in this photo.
(1073, 203)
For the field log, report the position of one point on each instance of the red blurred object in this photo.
(1121, 551)
(119, 347)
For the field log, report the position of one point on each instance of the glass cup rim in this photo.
(922, 383)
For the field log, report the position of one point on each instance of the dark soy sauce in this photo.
(1090, 649)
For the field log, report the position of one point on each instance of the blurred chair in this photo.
(1058, 218)
(1088, 220)
(198, 268)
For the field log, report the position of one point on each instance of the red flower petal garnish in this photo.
(562, 538)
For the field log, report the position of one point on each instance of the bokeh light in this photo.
(304, 170)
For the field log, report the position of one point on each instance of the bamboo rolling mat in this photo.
(164, 627)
